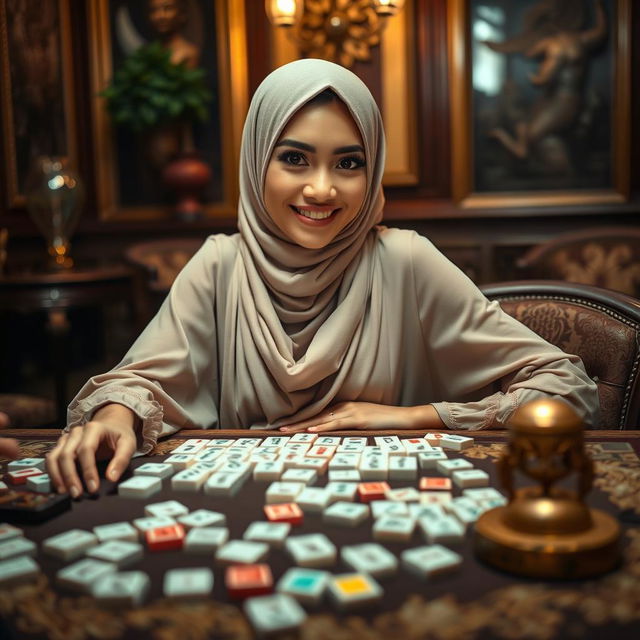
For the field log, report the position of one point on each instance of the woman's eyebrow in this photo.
(303, 146)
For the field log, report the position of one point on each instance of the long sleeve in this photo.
(485, 363)
(168, 378)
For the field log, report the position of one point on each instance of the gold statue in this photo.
(547, 530)
(168, 18)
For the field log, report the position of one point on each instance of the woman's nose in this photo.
(319, 187)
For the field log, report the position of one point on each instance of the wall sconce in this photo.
(342, 31)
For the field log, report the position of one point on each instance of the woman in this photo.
(312, 317)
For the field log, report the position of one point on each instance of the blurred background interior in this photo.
(513, 133)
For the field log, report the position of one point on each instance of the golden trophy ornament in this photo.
(546, 530)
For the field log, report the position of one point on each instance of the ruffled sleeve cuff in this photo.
(491, 412)
(140, 402)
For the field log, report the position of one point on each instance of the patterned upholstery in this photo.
(606, 257)
(600, 326)
(27, 411)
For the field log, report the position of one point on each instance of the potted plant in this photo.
(149, 94)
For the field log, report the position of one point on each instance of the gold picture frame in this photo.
(229, 64)
(37, 118)
(398, 104)
(467, 144)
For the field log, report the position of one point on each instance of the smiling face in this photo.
(316, 177)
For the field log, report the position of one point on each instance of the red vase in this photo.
(187, 175)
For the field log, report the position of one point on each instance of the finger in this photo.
(67, 462)
(53, 466)
(87, 456)
(9, 448)
(125, 448)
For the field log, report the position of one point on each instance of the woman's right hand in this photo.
(110, 433)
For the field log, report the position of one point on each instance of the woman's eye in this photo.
(293, 158)
(351, 162)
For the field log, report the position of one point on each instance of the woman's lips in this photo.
(318, 214)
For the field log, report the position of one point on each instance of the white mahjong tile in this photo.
(393, 528)
(242, 552)
(305, 585)
(403, 468)
(371, 558)
(447, 467)
(268, 471)
(349, 448)
(203, 518)
(283, 491)
(455, 442)
(352, 590)
(144, 524)
(402, 494)
(205, 539)
(299, 448)
(224, 484)
(311, 550)
(491, 503)
(435, 497)
(275, 441)
(313, 499)
(445, 530)
(381, 508)
(127, 588)
(81, 575)
(434, 438)
(388, 443)
(318, 464)
(259, 456)
(116, 531)
(191, 582)
(415, 446)
(482, 493)
(354, 441)
(321, 451)
(247, 443)
(69, 545)
(307, 438)
(180, 461)
(430, 561)
(169, 508)
(17, 547)
(210, 466)
(344, 461)
(347, 514)
(307, 476)
(157, 469)
(373, 467)
(18, 570)
(139, 487)
(39, 484)
(273, 533)
(27, 463)
(120, 552)
(235, 466)
(328, 441)
(467, 478)
(292, 460)
(210, 454)
(8, 531)
(344, 475)
(190, 446)
(238, 454)
(190, 479)
(345, 491)
(465, 509)
(271, 614)
(262, 450)
(431, 511)
(220, 442)
(430, 459)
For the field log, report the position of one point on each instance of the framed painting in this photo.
(36, 89)
(391, 79)
(540, 101)
(129, 166)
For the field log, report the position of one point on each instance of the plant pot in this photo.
(187, 175)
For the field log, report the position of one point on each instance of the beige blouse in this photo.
(446, 345)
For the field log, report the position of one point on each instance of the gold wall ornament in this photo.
(546, 530)
(342, 31)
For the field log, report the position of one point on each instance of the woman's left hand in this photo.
(346, 416)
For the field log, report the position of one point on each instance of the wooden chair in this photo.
(606, 257)
(599, 325)
(157, 263)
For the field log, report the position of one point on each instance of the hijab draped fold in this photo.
(299, 318)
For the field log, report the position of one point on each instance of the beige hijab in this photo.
(298, 319)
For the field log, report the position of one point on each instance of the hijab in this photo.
(299, 318)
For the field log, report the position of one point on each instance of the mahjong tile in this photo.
(307, 586)
(119, 552)
(348, 514)
(393, 529)
(116, 531)
(311, 550)
(203, 518)
(128, 588)
(273, 533)
(69, 545)
(274, 613)
(370, 558)
(18, 570)
(352, 590)
(156, 469)
(313, 499)
(205, 539)
(140, 487)
(168, 508)
(242, 552)
(81, 575)
(429, 561)
(192, 582)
